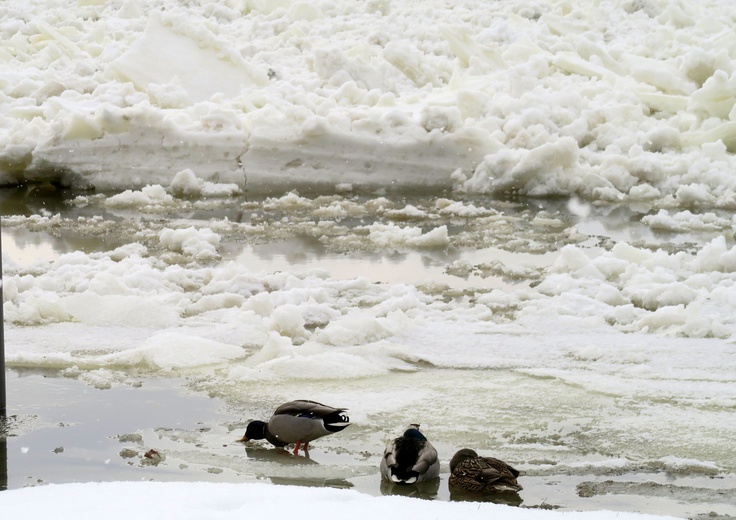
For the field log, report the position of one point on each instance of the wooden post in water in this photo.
(3, 398)
(3, 402)
(3, 459)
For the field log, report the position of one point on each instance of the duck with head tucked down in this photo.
(471, 472)
(410, 459)
(298, 422)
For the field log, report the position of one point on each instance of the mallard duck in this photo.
(298, 422)
(471, 472)
(410, 459)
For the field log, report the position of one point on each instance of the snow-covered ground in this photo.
(591, 337)
(225, 501)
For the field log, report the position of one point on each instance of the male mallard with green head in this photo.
(410, 459)
(298, 422)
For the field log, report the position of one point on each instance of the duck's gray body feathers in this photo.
(410, 459)
(298, 422)
(471, 472)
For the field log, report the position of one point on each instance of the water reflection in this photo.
(279, 455)
(426, 490)
(34, 200)
(338, 483)
(508, 498)
(284, 457)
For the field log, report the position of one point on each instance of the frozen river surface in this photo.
(590, 347)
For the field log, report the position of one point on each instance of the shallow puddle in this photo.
(63, 430)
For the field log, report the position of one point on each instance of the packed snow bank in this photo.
(609, 101)
(154, 500)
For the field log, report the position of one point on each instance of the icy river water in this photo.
(594, 415)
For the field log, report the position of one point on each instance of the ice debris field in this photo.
(622, 100)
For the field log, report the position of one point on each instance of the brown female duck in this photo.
(471, 472)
